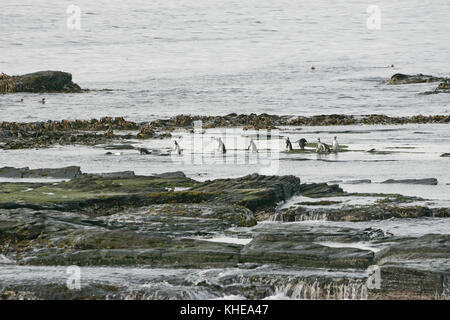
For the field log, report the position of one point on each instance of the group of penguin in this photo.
(321, 147)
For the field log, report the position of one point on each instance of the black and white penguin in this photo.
(252, 147)
(222, 147)
(335, 146)
(302, 143)
(176, 147)
(43, 101)
(322, 147)
(288, 145)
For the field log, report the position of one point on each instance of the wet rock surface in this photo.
(41, 81)
(128, 221)
(426, 181)
(92, 132)
(359, 213)
(400, 78)
(109, 131)
(66, 173)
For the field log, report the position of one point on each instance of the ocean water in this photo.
(167, 57)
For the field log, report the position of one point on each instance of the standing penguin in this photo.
(335, 146)
(222, 147)
(288, 145)
(322, 147)
(302, 143)
(176, 147)
(252, 147)
(43, 101)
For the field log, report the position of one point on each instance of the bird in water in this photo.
(335, 146)
(302, 143)
(288, 145)
(176, 147)
(252, 147)
(322, 147)
(21, 100)
(43, 101)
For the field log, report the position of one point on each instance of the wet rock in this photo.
(109, 193)
(418, 267)
(445, 155)
(317, 190)
(359, 213)
(119, 147)
(426, 181)
(256, 192)
(168, 175)
(443, 87)
(42, 81)
(120, 174)
(63, 173)
(362, 181)
(293, 250)
(400, 78)
(146, 133)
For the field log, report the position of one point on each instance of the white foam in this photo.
(357, 245)
(242, 241)
(5, 260)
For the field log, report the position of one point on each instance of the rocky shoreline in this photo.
(135, 221)
(14, 135)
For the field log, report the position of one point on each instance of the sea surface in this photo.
(167, 57)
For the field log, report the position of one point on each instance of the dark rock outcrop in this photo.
(62, 173)
(41, 81)
(256, 192)
(359, 213)
(400, 78)
(426, 181)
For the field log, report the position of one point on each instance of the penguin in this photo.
(288, 145)
(176, 148)
(222, 147)
(302, 143)
(322, 147)
(252, 147)
(335, 146)
(43, 101)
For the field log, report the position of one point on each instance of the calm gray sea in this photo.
(166, 57)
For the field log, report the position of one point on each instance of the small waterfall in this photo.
(311, 216)
(352, 290)
(276, 217)
(281, 216)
